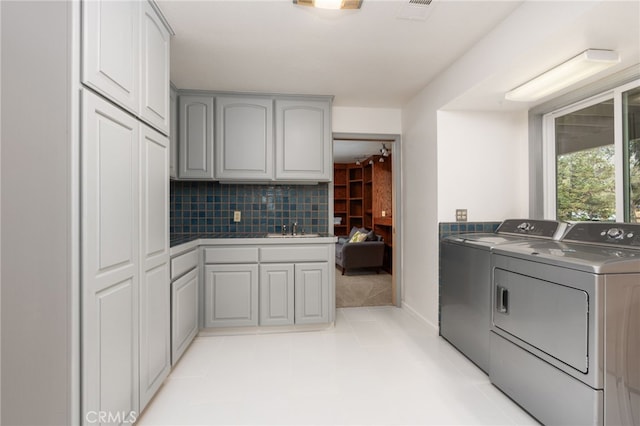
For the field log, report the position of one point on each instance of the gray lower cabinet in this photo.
(155, 309)
(110, 147)
(267, 285)
(184, 313)
(277, 294)
(312, 293)
(231, 295)
(244, 138)
(195, 138)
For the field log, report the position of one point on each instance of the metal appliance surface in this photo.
(565, 334)
(465, 276)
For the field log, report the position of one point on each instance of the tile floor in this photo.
(378, 366)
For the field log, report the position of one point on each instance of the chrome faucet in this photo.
(294, 228)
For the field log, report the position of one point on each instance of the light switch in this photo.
(461, 215)
(237, 215)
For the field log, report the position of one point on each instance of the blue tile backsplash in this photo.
(207, 207)
(449, 228)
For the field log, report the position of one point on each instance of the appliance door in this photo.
(551, 317)
(465, 301)
(622, 350)
(555, 313)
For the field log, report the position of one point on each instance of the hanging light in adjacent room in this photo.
(384, 151)
(586, 64)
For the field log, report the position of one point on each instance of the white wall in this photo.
(530, 26)
(37, 312)
(482, 165)
(366, 120)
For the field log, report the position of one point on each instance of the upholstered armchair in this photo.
(368, 253)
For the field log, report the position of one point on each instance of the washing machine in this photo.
(565, 333)
(465, 282)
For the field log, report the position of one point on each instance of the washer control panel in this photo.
(618, 234)
(530, 227)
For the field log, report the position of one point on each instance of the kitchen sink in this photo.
(293, 236)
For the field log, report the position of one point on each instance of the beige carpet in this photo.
(362, 288)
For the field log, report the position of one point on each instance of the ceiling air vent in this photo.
(415, 10)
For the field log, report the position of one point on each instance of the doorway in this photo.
(365, 193)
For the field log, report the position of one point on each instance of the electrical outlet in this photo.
(461, 215)
(237, 216)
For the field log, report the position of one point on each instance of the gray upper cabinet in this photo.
(110, 50)
(303, 140)
(244, 138)
(154, 68)
(244, 132)
(173, 134)
(125, 57)
(195, 140)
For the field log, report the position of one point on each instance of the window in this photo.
(593, 158)
(631, 138)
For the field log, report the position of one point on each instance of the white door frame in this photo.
(397, 198)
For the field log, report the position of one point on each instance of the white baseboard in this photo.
(420, 317)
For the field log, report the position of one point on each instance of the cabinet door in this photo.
(155, 310)
(231, 295)
(154, 79)
(312, 293)
(195, 146)
(244, 138)
(276, 294)
(303, 140)
(173, 134)
(110, 257)
(110, 50)
(184, 313)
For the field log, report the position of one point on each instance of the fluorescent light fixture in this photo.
(588, 63)
(330, 4)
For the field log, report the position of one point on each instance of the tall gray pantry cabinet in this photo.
(85, 322)
(125, 200)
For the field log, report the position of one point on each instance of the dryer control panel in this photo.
(616, 234)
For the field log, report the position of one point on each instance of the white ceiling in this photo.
(371, 57)
(368, 57)
(610, 24)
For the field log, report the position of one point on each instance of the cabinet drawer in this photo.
(295, 254)
(183, 263)
(231, 255)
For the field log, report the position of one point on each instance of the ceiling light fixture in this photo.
(384, 151)
(330, 4)
(586, 64)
